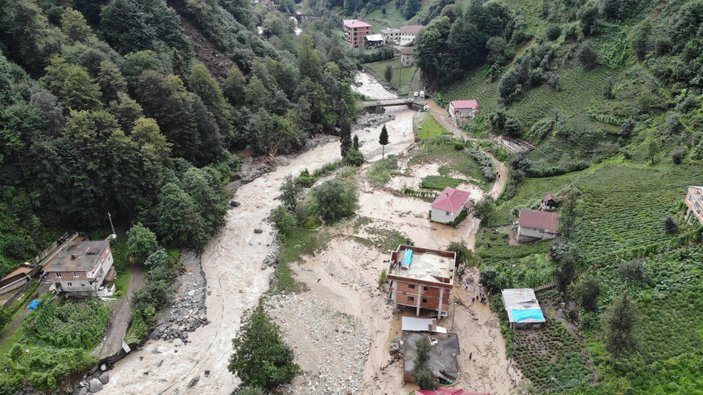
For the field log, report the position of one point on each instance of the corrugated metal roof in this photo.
(546, 220)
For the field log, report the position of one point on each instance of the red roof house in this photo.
(449, 204)
(355, 31)
(537, 225)
(463, 110)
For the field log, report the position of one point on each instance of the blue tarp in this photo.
(408, 258)
(528, 314)
(34, 304)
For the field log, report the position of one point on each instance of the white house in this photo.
(449, 204)
(463, 110)
(407, 57)
(373, 40)
(81, 267)
(408, 34)
(537, 225)
(390, 36)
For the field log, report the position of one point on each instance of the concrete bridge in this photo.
(378, 106)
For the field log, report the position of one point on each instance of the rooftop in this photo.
(547, 220)
(521, 305)
(465, 104)
(390, 30)
(443, 354)
(355, 23)
(77, 256)
(414, 324)
(423, 264)
(374, 37)
(451, 199)
(411, 29)
(548, 197)
(407, 50)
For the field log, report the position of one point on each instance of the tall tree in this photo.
(141, 242)
(73, 85)
(621, 322)
(383, 140)
(261, 358)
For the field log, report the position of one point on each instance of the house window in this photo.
(448, 213)
(82, 284)
(76, 274)
(69, 284)
(411, 298)
(424, 288)
(411, 286)
(58, 275)
(424, 300)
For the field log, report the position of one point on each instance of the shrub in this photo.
(354, 158)
(284, 220)
(484, 209)
(382, 278)
(335, 199)
(421, 372)
(141, 242)
(261, 358)
(587, 55)
(493, 280)
(677, 156)
(634, 272)
(670, 225)
(587, 291)
(71, 325)
(553, 32)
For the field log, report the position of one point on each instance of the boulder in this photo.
(104, 378)
(258, 231)
(234, 203)
(94, 385)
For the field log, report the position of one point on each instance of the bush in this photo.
(382, 278)
(335, 199)
(587, 291)
(670, 225)
(553, 32)
(484, 209)
(141, 242)
(354, 158)
(494, 281)
(634, 272)
(284, 220)
(587, 55)
(261, 358)
(677, 156)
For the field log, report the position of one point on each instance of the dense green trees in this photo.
(141, 242)
(261, 358)
(446, 47)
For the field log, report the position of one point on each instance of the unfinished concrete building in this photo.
(422, 278)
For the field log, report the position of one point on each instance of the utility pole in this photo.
(111, 226)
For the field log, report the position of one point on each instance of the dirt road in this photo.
(121, 315)
(442, 116)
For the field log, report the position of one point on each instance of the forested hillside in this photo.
(135, 107)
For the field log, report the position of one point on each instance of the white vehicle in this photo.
(422, 94)
(415, 94)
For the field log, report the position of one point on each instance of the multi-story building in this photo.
(407, 34)
(422, 278)
(694, 201)
(81, 267)
(355, 31)
(391, 36)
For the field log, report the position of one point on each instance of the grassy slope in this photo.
(402, 76)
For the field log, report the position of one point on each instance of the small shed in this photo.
(523, 308)
(414, 324)
(407, 56)
(549, 202)
(373, 40)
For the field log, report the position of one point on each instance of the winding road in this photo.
(442, 116)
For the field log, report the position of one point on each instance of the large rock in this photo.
(94, 385)
(104, 378)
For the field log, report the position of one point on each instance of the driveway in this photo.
(121, 315)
